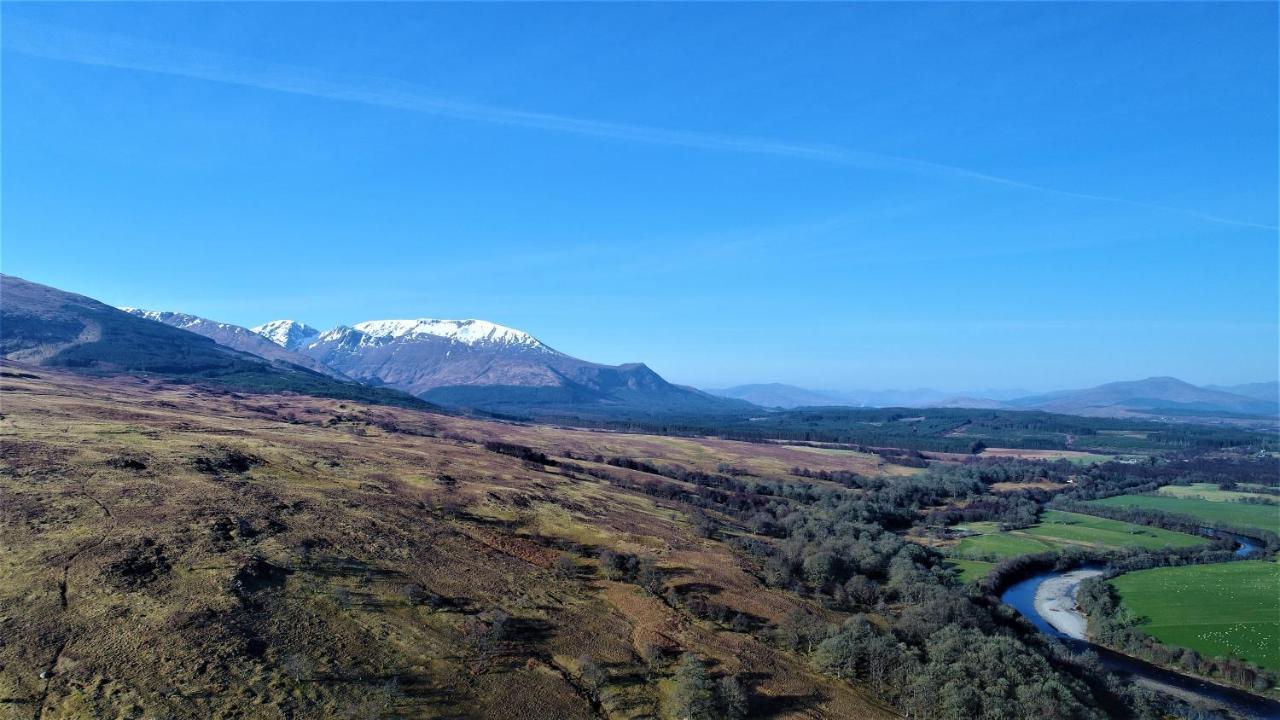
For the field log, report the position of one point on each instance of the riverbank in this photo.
(1054, 612)
(1055, 601)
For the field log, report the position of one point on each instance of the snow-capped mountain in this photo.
(236, 338)
(477, 363)
(288, 334)
(470, 332)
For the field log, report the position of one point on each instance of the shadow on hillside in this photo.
(404, 693)
(776, 705)
(347, 567)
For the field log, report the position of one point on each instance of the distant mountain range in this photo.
(789, 396)
(1258, 391)
(1152, 396)
(1157, 396)
(481, 365)
(462, 363)
(778, 395)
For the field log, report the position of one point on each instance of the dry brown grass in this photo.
(247, 556)
(1012, 486)
(1078, 456)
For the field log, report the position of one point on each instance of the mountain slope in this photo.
(479, 364)
(1258, 391)
(967, 401)
(236, 338)
(40, 325)
(45, 326)
(1156, 395)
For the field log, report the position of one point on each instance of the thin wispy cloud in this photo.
(68, 45)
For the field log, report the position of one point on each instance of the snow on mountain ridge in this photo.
(470, 332)
(140, 312)
(295, 335)
(175, 319)
(286, 333)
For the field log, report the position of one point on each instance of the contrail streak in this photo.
(55, 43)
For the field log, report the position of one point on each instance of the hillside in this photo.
(1269, 391)
(236, 338)
(268, 555)
(292, 555)
(46, 327)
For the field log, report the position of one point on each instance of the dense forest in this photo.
(929, 644)
(952, 430)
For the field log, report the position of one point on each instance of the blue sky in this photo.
(837, 196)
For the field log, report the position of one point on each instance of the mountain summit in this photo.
(470, 332)
(288, 334)
(484, 365)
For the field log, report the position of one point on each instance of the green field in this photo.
(1218, 610)
(1066, 528)
(1057, 530)
(971, 570)
(1206, 491)
(1266, 517)
(1000, 545)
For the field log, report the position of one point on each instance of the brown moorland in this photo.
(177, 551)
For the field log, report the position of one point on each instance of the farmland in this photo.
(1000, 545)
(1057, 530)
(1228, 609)
(1064, 528)
(1074, 456)
(1238, 514)
(1209, 491)
(971, 570)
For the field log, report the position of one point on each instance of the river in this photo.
(1056, 615)
(1244, 545)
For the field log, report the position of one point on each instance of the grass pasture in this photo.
(1000, 545)
(1228, 609)
(1265, 517)
(1206, 491)
(1064, 528)
(971, 570)
(1075, 456)
(1057, 530)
